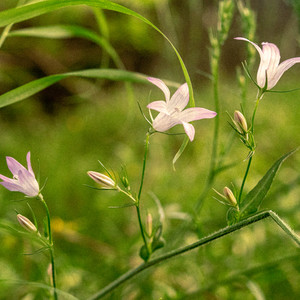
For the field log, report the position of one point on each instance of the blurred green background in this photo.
(71, 125)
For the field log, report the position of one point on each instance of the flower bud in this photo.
(26, 223)
(105, 181)
(229, 195)
(240, 122)
(149, 225)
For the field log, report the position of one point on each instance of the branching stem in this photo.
(216, 235)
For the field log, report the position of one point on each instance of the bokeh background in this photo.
(71, 125)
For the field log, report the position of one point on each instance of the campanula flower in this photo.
(23, 180)
(172, 112)
(269, 68)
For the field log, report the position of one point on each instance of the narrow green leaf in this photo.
(38, 85)
(180, 151)
(29, 11)
(252, 201)
(69, 31)
(37, 286)
(22, 13)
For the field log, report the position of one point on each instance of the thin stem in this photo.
(140, 192)
(51, 245)
(250, 158)
(141, 228)
(222, 232)
(53, 272)
(244, 179)
(212, 169)
(144, 166)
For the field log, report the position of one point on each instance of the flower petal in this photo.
(189, 130)
(28, 183)
(160, 106)
(160, 84)
(179, 100)
(196, 113)
(29, 163)
(12, 186)
(284, 66)
(13, 165)
(261, 73)
(164, 122)
(269, 63)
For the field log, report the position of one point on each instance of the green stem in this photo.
(144, 166)
(244, 179)
(212, 169)
(222, 232)
(51, 245)
(250, 158)
(140, 191)
(141, 228)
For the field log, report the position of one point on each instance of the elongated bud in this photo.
(149, 224)
(229, 195)
(240, 122)
(105, 181)
(26, 223)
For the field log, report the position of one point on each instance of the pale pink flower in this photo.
(172, 112)
(269, 67)
(23, 180)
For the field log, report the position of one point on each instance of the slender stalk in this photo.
(51, 246)
(214, 152)
(144, 166)
(244, 179)
(141, 228)
(222, 232)
(140, 191)
(250, 158)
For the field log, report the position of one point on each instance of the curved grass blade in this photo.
(69, 31)
(33, 87)
(36, 285)
(29, 11)
(252, 201)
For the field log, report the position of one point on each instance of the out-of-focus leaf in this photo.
(38, 85)
(22, 13)
(29, 11)
(69, 31)
(36, 285)
(252, 201)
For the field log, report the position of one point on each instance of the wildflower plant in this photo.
(179, 108)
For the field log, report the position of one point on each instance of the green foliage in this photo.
(251, 203)
(94, 244)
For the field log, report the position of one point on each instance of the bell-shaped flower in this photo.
(172, 112)
(23, 180)
(269, 68)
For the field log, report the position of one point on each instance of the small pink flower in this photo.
(269, 67)
(172, 112)
(23, 180)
